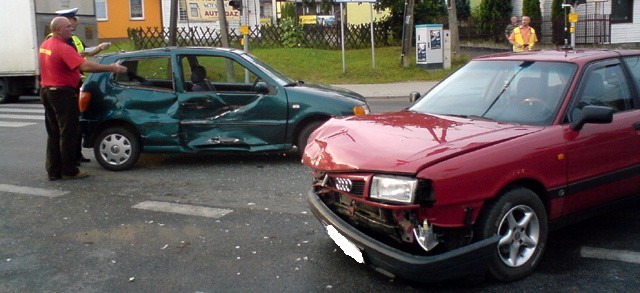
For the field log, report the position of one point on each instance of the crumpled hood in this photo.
(401, 142)
(307, 89)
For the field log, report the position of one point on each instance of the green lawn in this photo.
(325, 66)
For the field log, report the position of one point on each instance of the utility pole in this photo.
(173, 23)
(453, 28)
(224, 27)
(407, 32)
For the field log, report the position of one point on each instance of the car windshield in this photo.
(273, 73)
(521, 92)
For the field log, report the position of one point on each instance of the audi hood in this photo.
(401, 142)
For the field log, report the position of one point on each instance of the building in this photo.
(624, 18)
(116, 16)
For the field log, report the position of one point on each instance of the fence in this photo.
(592, 29)
(317, 36)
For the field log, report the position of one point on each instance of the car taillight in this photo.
(83, 100)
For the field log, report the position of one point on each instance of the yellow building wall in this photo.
(359, 13)
(119, 20)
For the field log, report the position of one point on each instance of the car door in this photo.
(603, 159)
(234, 107)
(146, 96)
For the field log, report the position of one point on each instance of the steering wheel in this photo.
(538, 106)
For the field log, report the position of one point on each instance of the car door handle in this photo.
(636, 125)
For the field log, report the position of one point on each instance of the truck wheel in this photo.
(519, 217)
(5, 97)
(117, 149)
(301, 142)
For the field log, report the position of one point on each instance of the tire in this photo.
(117, 149)
(522, 241)
(303, 136)
(5, 97)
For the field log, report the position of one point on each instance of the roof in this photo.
(573, 56)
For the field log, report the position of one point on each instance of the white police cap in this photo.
(71, 12)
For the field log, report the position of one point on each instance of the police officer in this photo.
(75, 41)
(60, 67)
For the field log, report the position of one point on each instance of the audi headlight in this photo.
(393, 188)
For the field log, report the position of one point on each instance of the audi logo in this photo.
(343, 184)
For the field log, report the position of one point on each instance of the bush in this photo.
(292, 35)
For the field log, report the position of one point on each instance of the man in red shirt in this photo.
(60, 67)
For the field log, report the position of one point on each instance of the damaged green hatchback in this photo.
(201, 99)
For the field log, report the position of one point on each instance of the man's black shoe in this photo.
(84, 160)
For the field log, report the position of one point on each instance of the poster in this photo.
(206, 10)
(422, 52)
(436, 40)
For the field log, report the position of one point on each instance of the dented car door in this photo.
(226, 105)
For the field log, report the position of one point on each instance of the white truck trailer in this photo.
(23, 26)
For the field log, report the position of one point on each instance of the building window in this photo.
(101, 10)
(621, 11)
(182, 11)
(136, 9)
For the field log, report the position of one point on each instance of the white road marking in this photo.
(14, 124)
(9, 116)
(22, 106)
(22, 110)
(610, 254)
(184, 209)
(31, 190)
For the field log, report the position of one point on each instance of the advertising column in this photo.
(429, 46)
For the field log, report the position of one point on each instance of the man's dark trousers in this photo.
(61, 117)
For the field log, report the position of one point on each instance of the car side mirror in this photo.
(593, 114)
(262, 87)
(414, 96)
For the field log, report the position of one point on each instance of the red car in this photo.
(471, 178)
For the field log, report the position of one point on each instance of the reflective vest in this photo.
(520, 41)
(76, 42)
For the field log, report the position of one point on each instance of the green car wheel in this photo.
(117, 149)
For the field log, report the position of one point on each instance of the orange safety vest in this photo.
(520, 41)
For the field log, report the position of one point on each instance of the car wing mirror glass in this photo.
(593, 114)
(262, 87)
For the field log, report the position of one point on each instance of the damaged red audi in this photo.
(471, 178)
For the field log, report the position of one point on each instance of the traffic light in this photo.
(236, 4)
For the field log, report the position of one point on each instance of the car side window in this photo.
(152, 73)
(633, 63)
(604, 86)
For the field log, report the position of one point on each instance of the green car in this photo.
(201, 99)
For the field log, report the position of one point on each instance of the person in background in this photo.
(75, 41)
(509, 29)
(523, 38)
(60, 67)
(80, 47)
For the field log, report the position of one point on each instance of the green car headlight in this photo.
(393, 188)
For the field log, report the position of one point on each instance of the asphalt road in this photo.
(231, 223)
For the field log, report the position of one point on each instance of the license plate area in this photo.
(347, 246)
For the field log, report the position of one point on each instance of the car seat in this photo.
(199, 80)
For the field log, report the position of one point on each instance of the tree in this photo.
(425, 11)
(495, 15)
(558, 22)
(531, 8)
